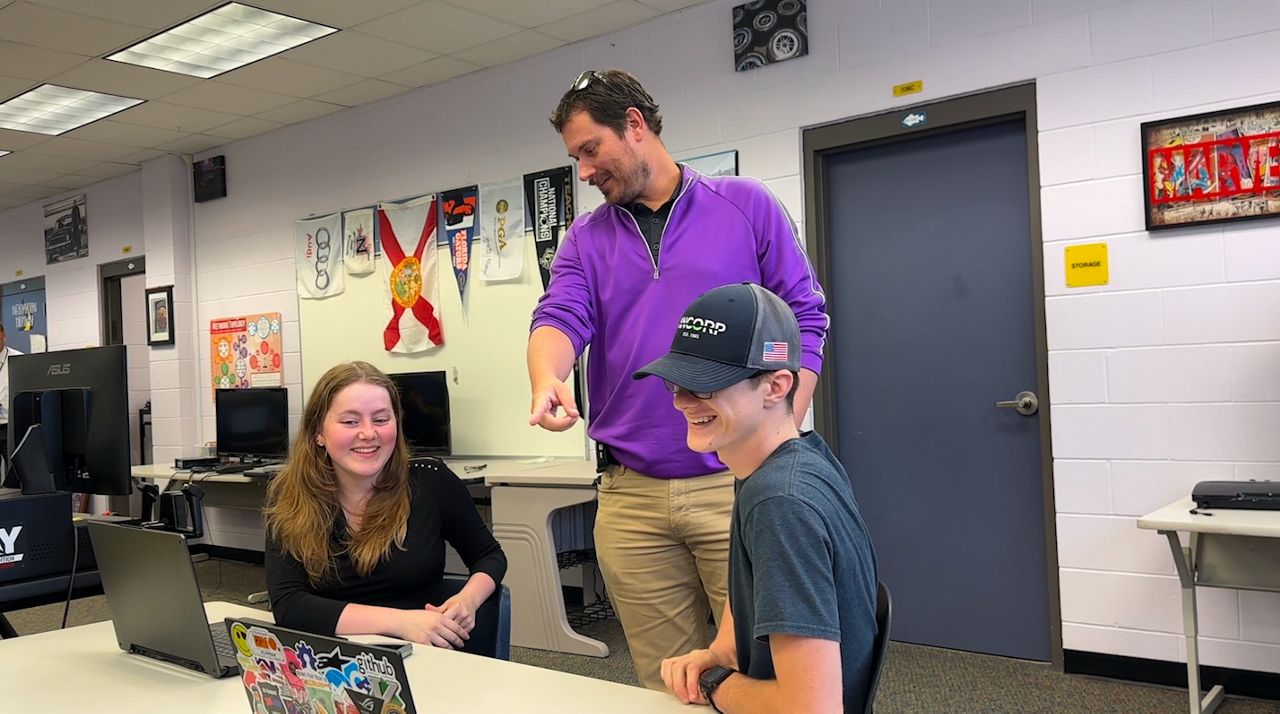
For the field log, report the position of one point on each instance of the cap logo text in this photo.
(701, 325)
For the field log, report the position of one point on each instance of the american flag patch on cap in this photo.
(775, 352)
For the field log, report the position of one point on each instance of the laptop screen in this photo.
(285, 670)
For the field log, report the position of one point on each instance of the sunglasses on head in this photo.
(585, 80)
(676, 389)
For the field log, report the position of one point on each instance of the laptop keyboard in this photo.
(222, 642)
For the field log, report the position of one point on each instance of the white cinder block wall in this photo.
(1165, 377)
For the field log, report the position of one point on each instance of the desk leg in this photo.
(522, 524)
(1184, 560)
(6, 630)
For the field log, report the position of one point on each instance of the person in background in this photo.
(355, 538)
(619, 283)
(799, 631)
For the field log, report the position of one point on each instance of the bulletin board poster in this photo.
(245, 351)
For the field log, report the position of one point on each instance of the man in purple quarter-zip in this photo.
(620, 283)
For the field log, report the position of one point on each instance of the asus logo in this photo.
(59, 369)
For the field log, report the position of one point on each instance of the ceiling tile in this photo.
(242, 128)
(20, 176)
(26, 191)
(509, 49)
(70, 148)
(334, 13)
(438, 27)
(529, 14)
(35, 63)
(108, 169)
(57, 30)
(219, 97)
(282, 76)
(11, 140)
(139, 157)
(194, 144)
(13, 86)
(154, 14)
(112, 132)
(301, 110)
(671, 5)
(7, 202)
(40, 162)
(162, 115)
(430, 72)
(358, 53)
(370, 90)
(615, 16)
(125, 80)
(68, 181)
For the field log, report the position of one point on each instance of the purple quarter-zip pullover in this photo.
(608, 293)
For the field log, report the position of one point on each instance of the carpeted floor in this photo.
(915, 679)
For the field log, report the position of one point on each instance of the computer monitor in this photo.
(425, 399)
(81, 400)
(252, 424)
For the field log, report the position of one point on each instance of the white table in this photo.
(1228, 549)
(524, 497)
(81, 669)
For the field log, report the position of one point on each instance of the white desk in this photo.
(81, 669)
(1228, 549)
(524, 497)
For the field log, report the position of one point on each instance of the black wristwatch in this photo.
(711, 680)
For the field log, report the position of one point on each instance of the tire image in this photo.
(741, 39)
(765, 20)
(787, 8)
(784, 45)
(751, 61)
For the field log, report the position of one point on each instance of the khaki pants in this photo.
(663, 546)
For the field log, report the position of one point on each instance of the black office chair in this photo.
(884, 619)
(491, 636)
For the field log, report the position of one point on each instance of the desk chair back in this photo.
(492, 634)
(884, 618)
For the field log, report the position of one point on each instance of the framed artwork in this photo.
(1213, 167)
(160, 316)
(724, 163)
(769, 31)
(66, 236)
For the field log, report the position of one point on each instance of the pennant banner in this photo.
(548, 212)
(357, 233)
(318, 257)
(407, 232)
(502, 238)
(459, 209)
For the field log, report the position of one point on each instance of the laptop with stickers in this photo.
(285, 671)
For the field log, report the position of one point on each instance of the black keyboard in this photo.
(221, 641)
(234, 468)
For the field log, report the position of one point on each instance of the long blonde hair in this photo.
(302, 501)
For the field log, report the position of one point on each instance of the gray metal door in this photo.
(933, 321)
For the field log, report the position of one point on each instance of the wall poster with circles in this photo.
(769, 31)
(245, 351)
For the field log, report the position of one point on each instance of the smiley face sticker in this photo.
(240, 638)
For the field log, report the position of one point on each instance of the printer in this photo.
(1244, 495)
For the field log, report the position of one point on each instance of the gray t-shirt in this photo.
(801, 563)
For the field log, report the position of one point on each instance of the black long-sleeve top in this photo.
(440, 510)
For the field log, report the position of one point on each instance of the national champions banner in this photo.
(318, 257)
(548, 213)
(407, 232)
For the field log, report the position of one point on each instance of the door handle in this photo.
(1026, 403)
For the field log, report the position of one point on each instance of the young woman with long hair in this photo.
(355, 538)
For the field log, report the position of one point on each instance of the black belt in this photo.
(605, 457)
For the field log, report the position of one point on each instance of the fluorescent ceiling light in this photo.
(53, 110)
(3, 152)
(221, 40)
